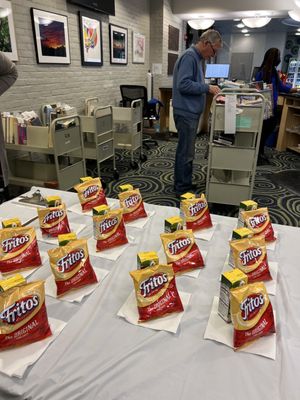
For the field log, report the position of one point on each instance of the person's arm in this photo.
(187, 71)
(8, 73)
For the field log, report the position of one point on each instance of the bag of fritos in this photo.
(196, 213)
(90, 193)
(54, 221)
(258, 221)
(156, 292)
(251, 313)
(23, 315)
(182, 251)
(250, 256)
(18, 249)
(132, 204)
(71, 267)
(109, 230)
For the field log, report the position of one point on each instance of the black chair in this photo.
(150, 108)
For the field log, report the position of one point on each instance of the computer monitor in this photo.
(216, 71)
(254, 72)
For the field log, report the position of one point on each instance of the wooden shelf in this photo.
(294, 148)
(288, 130)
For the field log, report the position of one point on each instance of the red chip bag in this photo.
(196, 213)
(132, 204)
(109, 230)
(23, 315)
(156, 292)
(71, 267)
(54, 221)
(250, 256)
(18, 249)
(182, 251)
(258, 221)
(251, 313)
(90, 194)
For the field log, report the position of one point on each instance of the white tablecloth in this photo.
(101, 356)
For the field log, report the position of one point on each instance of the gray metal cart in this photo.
(232, 166)
(51, 154)
(128, 129)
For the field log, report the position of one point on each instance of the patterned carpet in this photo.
(154, 178)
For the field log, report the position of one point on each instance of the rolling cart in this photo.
(128, 129)
(232, 157)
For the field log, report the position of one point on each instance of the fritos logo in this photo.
(70, 261)
(251, 306)
(132, 200)
(53, 216)
(250, 256)
(90, 191)
(179, 245)
(257, 221)
(107, 225)
(152, 285)
(195, 209)
(18, 311)
(14, 243)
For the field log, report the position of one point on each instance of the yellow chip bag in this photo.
(90, 194)
(258, 221)
(54, 221)
(196, 213)
(132, 203)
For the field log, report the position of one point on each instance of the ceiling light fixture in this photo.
(240, 25)
(203, 23)
(256, 22)
(247, 34)
(244, 31)
(297, 2)
(294, 14)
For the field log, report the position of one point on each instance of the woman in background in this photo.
(268, 74)
(8, 76)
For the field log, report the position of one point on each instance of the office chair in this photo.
(150, 108)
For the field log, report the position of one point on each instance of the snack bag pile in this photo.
(90, 193)
(23, 315)
(53, 219)
(182, 251)
(132, 204)
(251, 313)
(258, 221)
(18, 249)
(109, 229)
(156, 292)
(196, 213)
(250, 256)
(71, 267)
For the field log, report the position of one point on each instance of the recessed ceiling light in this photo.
(236, 19)
(298, 29)
(240, 25)
(247, 34)
(297, 33)
(244, 31)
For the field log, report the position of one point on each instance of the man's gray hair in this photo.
(211, 36)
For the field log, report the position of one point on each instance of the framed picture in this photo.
(138, 48)
(51, 37)
(7, 31)
(90, 40)
(118, 40)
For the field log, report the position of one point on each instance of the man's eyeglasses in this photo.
(213, 50)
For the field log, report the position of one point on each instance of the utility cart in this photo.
(236, 124)
(53, 155)
(97, 130)
(128, 129)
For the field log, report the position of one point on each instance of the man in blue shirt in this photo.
(189, 93)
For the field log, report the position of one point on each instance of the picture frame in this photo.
(138, 48)
(51, 37)
(8, 43)
(118, 41)
(90, 40)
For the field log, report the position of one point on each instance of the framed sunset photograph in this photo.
(7, 31)
(51, 37)
(90, 40)
(118, 44)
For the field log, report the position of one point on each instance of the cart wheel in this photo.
(116, 174)
(134, 165)
(143, 157)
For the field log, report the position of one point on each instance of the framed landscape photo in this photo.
(90, 40)
(51, 37)
(138, 48)
(7, 31)
(118, 40)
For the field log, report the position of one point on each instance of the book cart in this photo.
(232, 165)
(50, 154)
(97, 130)
(128, 130)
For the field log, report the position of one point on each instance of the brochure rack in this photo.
(128, 129)
(231, 166)
(51, 157)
